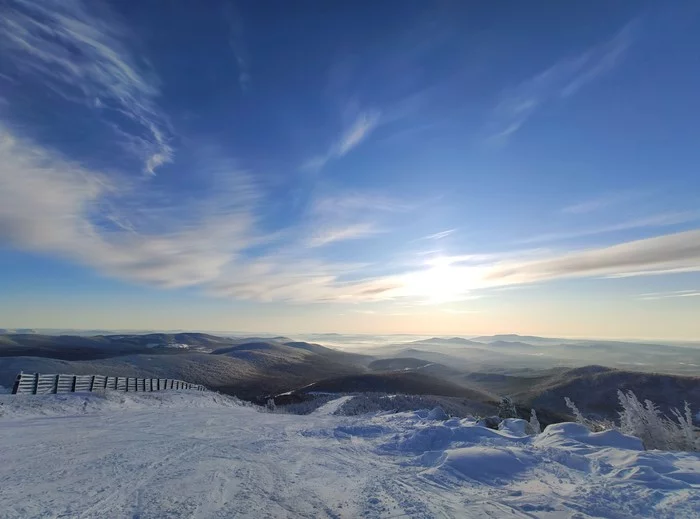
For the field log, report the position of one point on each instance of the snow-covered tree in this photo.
(580, 419)
(271, 404)
(646, 422)
(534, 424)
(506, 409)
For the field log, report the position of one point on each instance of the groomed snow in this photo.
(194, 454)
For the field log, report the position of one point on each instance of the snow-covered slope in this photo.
(204, 455)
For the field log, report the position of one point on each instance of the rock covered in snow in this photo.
(490, 421)
(437, 413)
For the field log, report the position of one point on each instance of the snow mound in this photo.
(485, 464)
(103, 401)
(514, 426)
(656, 469)
(437, 413)
(427, 435)
(577, 437)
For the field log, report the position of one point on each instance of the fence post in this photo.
(75, 380)
(15, 387)
(36, 383)
(106, 379)
(116, 383)
(92, 383)
(127, 384)
(55, 384)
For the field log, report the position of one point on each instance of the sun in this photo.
(442, 282)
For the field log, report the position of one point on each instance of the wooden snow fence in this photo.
(38, 384)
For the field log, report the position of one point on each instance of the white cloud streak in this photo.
(238, 45)
(358, 131)
(655, 221)
(82, 57)
(51, 205)
(330, 235)
(439, 235)
(669, 295)
(601, 202)
(658, 255)
(562, 80)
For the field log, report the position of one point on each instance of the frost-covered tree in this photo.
(506, 409)
(580, 419)
(271, 404)
(646, 422)
(534, 424)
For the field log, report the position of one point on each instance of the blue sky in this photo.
(379, 167)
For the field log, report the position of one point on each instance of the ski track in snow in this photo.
(202, 455)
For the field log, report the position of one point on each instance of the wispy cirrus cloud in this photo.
(328, 235)
(654, 221)
(652, 256)
(355, 202)
(55, 206)
(653, 296)
(52, 205)
(238, 45)
(602, 202)
(335, 217)
(439, 235)
(82, 56)
(560, 81)
(351, 137)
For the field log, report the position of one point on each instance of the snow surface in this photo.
(198, 454)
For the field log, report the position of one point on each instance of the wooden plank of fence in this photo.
(44, 384)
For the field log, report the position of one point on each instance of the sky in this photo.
(359, 167)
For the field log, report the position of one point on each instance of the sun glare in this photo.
(443, 282)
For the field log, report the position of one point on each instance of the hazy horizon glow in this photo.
(459, 171)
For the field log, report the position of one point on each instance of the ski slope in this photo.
(204, 455)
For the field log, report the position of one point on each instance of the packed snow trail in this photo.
(331, 407)
(202, 455)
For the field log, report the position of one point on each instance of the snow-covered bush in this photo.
(646, 422)
(506, 409)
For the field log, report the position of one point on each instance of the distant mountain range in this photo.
(480, 369)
